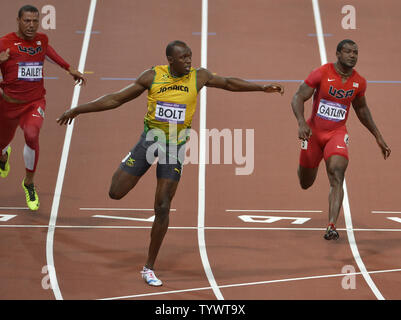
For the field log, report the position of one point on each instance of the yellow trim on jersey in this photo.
(171, 104)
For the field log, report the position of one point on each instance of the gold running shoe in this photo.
(4, 170)
(32, 199)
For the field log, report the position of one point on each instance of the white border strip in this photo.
(326, 276)
(346, 206)
(63, 161)
(202, 161)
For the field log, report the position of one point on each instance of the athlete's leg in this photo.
(131, 169)
(307, 176)
(165, 192)
(309, 160)
(335, 167)
(7, 132)
(31, 123)
(336, 157)
(121, 183)
(169, 171)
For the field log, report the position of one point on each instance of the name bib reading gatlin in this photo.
(332, 111)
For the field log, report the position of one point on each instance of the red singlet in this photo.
(331, 104)
(23, 71)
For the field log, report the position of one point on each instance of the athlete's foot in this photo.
(150, 278)
(5, 164)
(331, 232)
(32, 199)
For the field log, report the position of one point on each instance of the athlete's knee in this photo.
(336, 176)
(305, 184)
(115, 195)
(162, 207)
(305, 181)
(31, 134)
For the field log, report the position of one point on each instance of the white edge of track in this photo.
(202, 161)
(346, 206)
(63, 162)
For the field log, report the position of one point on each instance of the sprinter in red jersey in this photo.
(22, 93)
(334, 86)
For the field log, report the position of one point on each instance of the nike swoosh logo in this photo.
(35, 115)
(17, 43)
(340, 147)
(331, 79)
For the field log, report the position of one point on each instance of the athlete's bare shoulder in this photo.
(146, 78)
(202, 77)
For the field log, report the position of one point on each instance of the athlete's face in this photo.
(348, 56)
(28, 25)
(180, 61)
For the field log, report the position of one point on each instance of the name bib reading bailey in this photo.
(170, 112)
(332, 111)
(30, 71)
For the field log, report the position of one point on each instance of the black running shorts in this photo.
(142, 156)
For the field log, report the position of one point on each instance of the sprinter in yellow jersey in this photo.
(172, 92)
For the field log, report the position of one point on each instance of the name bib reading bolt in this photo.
(170, 112)
(332, 111)
(30, 71)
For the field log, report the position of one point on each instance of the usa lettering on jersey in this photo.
(340, 93)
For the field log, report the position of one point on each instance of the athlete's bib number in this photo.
(332, 111)
(30, 71)
(170, 112)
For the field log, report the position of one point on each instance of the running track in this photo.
(100, 258)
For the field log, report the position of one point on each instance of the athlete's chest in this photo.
(334, 88)
(27, 52)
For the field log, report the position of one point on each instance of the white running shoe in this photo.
(150, 278)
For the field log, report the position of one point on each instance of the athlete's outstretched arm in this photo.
(365, 117)
(111, 100)
(56, 58)
(208, 79)
(303, 94)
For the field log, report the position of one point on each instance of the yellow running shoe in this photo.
(32, 199)
(6, 169)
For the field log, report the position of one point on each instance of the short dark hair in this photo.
(343, 42)
(27, 8)
(172, 44)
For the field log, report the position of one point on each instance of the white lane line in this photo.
(272, 211)
(388, 212)
(63, 161)
(150, 219)
(193, 228)
(14, 208)
(202, 160)
(252, 284)
(346, 206)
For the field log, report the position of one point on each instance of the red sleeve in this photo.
(362, 89)
(52, 54)
(314, 78)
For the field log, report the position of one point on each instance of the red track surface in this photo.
(99, 258)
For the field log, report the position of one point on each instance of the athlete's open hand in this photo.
(78, 77)
(274, 87)
(383, 146)
(4, 55)
(67, 117)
